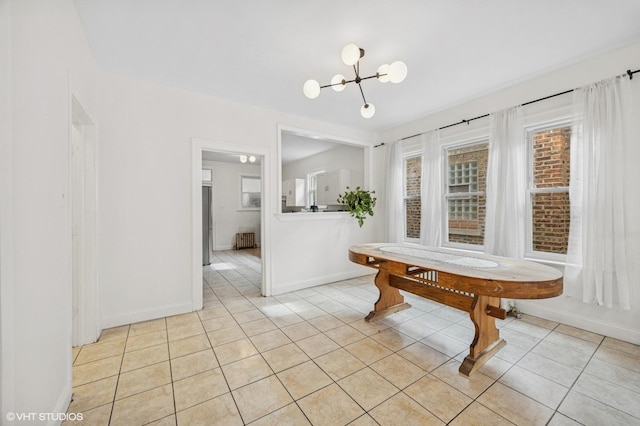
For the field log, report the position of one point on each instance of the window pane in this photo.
(207, 175)
(412, 209)
(251, 200)
(551, 218)
(413, 172)
(250, 191)
(551, 150)
(464, 224)
(551, 169)
(313, 189)
(467, 171)
(412, 199)
(250, 184)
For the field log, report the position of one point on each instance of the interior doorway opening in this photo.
(229, 164)
(83, 202)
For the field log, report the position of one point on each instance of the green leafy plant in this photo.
(359, 202)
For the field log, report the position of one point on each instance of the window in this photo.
(412, 196)
(548, 198)
(312, 188)
(465, 193)
(207, 176)
(250, 188)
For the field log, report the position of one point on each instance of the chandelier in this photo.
(351, 55)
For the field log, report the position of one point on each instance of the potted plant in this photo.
(359, 202)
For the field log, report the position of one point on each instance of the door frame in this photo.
(85, 328)
(199, 145)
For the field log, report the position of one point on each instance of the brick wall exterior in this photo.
(413, 205)
(551, 215)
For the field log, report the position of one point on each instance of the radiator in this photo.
(245, 240)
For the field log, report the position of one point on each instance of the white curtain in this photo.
(393, 193)
(504, 233)
(431, 186)
(597, 260)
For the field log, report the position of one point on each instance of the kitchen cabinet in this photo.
(331, 184)
(293, 192)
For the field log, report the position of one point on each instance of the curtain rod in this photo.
(629, 73)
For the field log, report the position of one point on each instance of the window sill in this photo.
(311, 216)
(549, 262)
(466, 232)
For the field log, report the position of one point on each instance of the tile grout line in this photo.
(173, 389)
(115, 391)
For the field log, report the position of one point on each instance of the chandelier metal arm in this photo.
(352, 81)
(362, 93)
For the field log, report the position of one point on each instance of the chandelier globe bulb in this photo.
(397, 72)
(383, 73)
(311, 89)
(350, 54)
(367, 110)
(338, 80)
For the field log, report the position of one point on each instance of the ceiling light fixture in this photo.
(251, 158)
(351, 55)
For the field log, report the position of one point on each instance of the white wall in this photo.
(145, 196)
(228, 219)
(341, 157)
(49, 60)
(616, 323)
(7, 382)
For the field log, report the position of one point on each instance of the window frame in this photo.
(530, 253)
(446, 195)
(312, 175)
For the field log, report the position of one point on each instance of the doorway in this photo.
(83, 201)
(199, 147)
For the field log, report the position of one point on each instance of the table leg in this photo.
(390, 299)
(486, 341)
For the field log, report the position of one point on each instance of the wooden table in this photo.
(471, 282)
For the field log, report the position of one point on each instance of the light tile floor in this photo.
(308, 357)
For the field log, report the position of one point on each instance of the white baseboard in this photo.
(301, 285)
(62, 405)
(582, 321)
(147, 314)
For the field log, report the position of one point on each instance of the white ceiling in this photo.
(261, 52)
(296, 147)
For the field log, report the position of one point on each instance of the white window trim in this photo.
(530, 253)
(445, 196)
